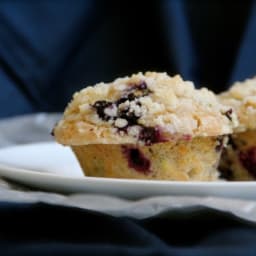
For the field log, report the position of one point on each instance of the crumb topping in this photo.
(144, 108)
(242, 98)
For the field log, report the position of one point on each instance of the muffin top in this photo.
(242, 97)
(142, 109)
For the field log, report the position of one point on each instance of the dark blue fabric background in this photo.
(41, 229)
(49, 49)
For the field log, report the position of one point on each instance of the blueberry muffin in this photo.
(238, 161)
(147, 126)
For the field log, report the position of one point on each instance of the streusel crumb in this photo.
(143, 109)
(242, 97)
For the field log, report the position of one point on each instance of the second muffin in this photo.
(238, 160)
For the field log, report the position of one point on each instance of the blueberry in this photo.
(232, 143)
(100, 106)
(142, 86)
(52, 132)
(248, 160)
(134, 92)
(131, 96)
(140, 89)
(136, 159)
(151, 135)
(226, 173)
(228, 114)
(130, 116)
(123, 99)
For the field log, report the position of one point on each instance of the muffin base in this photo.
(183, 160)
(238, 160)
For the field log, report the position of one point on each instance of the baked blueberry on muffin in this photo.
(238, 160)
(147, 126)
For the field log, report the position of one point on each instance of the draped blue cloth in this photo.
(50, 49)
(42, 229)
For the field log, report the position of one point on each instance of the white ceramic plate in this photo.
(52, 167)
